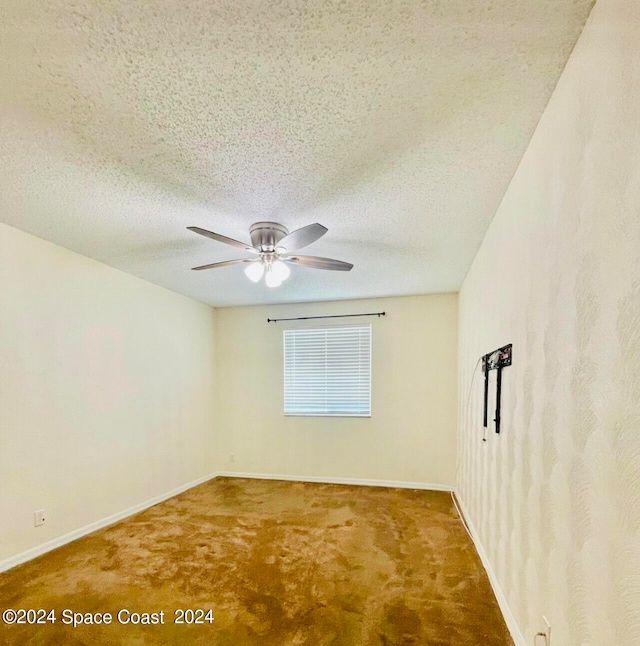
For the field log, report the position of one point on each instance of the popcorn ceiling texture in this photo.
(556, 497)
(396, 123)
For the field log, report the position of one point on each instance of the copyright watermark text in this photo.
(124, 616)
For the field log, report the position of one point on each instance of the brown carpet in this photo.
(278, 563)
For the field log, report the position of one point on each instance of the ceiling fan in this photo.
(272, 244)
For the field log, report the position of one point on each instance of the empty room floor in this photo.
(277, 563)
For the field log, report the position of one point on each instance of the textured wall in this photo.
(107, 391)
(411, 434)
(556, 497)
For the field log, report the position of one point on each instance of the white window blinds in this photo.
(327, 371)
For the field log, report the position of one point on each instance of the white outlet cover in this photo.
(38, 518)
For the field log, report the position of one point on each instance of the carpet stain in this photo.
(278, 564)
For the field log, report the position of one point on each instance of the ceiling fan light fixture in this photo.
(271, 279)
(254, 271)
(280, 270)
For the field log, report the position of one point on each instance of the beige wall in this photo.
(107, 391)
(109, 395)
(556, 497)
(411, 434)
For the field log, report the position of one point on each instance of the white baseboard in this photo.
(38, 550)
(399, 484)
(510, 620)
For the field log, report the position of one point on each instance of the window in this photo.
(327, 371)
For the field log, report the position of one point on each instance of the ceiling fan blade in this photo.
(221, 238)
(302, 237)
(315, 262)
(224, 263)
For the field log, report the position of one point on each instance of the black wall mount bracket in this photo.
(496, 360)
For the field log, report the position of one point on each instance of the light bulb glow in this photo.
(271, 279)
(280, 270)
(254, 271)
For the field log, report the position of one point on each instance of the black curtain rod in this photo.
(335, 316)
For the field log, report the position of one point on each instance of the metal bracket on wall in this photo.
(496, 360)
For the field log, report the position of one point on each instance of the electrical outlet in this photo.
(543, 638)
(38, 518)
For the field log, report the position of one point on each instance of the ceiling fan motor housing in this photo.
(266, 235)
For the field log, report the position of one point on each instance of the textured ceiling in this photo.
(397, 124)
